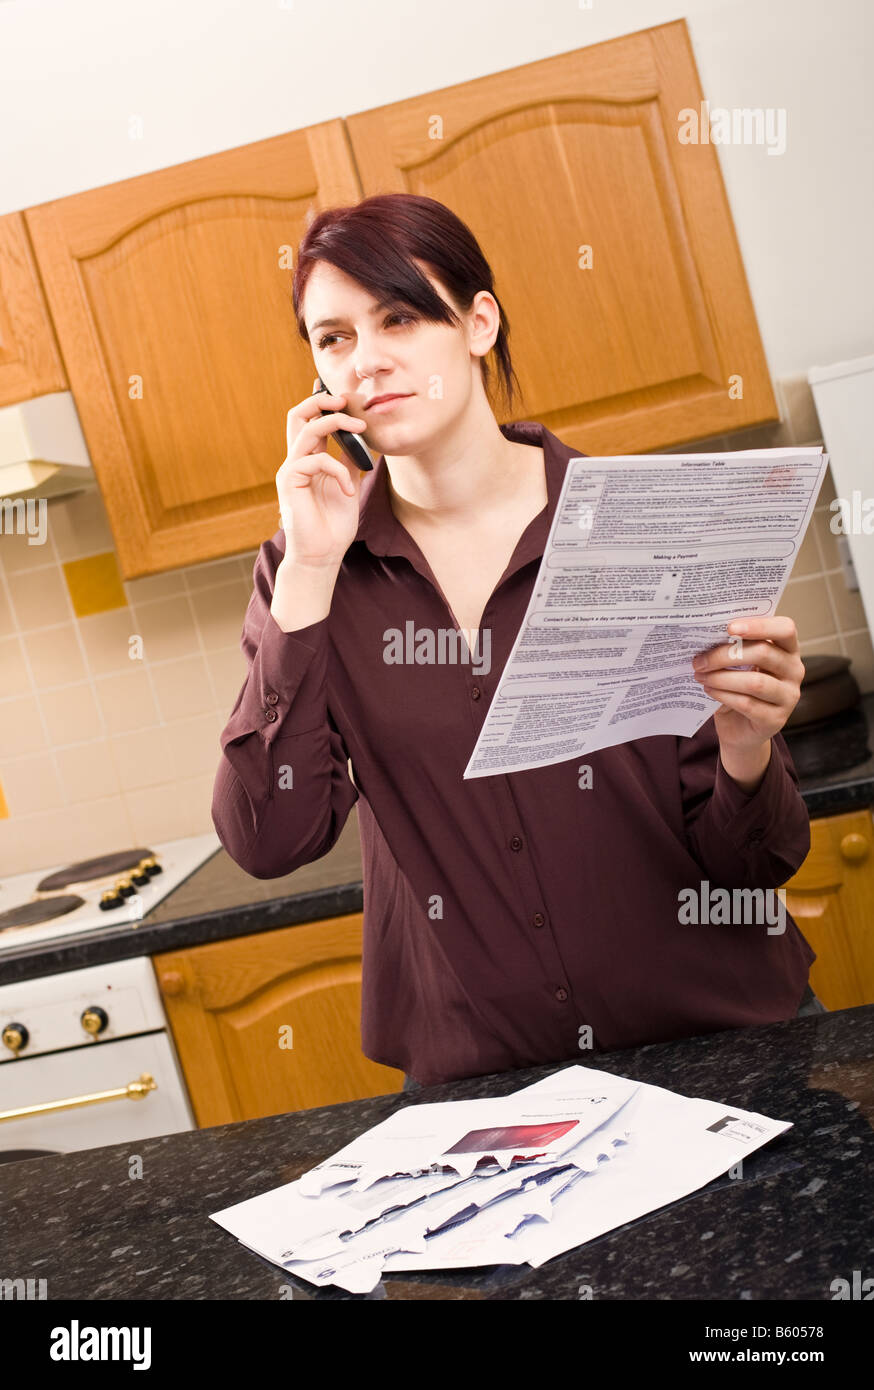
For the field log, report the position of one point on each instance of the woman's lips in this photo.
(380, 407)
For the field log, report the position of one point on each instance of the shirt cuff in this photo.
(285, 691)
(747, 818)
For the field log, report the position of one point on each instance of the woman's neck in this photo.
(456, 481)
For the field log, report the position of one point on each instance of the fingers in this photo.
(308, 467)
(780, 630)
(306, 426)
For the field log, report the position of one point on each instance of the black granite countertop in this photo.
(799, 1217)
(220, 900)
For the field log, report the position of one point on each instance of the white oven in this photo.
(87, 1059)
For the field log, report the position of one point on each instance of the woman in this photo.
(509, 921)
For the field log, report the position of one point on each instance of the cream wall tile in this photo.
(79, 525)
(196, 795)
(826, 540)
(13, 859)
(806, 601)
(105, 826)
(846, 603)
(32, 784)
(71, 714)
(167, 629)
(808, 561)
(247, 564)
(228, 669)
(18, 554)
(21, 729)
(126, 701)
(55, 657)
(183, 688)
(157, 813)
(819, 646)
(155, 586)
(88, 771)
(7, 622)
(14, 679)
(143, 758)
(194, 744)
(215, 572)
(858, 647)
(803, 419)
(220, 613)
(106, 639)
(39, 597)
(59, 837)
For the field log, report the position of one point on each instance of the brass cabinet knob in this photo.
(172, 982)
(94, 1020)
(855, 847)
(15, 1037)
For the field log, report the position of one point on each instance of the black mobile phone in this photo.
(351, 443)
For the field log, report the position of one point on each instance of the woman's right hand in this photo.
(318, 496)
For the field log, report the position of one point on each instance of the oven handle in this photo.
(134, 1090)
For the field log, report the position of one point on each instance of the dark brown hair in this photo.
(375, 241)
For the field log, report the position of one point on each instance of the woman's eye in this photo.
(397, 318)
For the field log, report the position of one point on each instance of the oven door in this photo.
(82, 1071)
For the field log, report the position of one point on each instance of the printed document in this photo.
(648, 558)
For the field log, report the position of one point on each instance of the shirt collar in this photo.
(382, 533)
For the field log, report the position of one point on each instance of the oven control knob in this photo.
(15, 1037)
(94, 1020)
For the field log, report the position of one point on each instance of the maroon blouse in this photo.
(503, 914)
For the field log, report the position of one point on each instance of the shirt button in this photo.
(272, 699)
(475, 693)
(538, 919)
(271, 715)
(561, 994)
(755, 836)
(516, 842)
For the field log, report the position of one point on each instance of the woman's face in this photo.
(367, 350)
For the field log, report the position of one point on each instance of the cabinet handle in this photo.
(854, 847)
(173, 983)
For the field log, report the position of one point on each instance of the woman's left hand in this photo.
(755, 704)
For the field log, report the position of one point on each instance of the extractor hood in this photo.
(42, 449)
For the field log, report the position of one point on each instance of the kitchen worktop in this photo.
(220, 900)
(798, 1217)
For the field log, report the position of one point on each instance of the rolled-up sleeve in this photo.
(282, 791)
(740, 839)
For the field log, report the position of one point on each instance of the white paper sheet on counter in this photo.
(648, 558)
(646, 1146)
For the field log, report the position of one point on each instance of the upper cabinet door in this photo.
(30, 364)
(171, 297)
(656, 341)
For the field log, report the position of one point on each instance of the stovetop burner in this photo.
(87, 870)
(30, 914)
(109, 890)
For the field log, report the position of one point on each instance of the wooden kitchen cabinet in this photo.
(30, 363)
(269, 1023)
(612, 242)
(582, 150)
(171, 297)
(831, 898)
